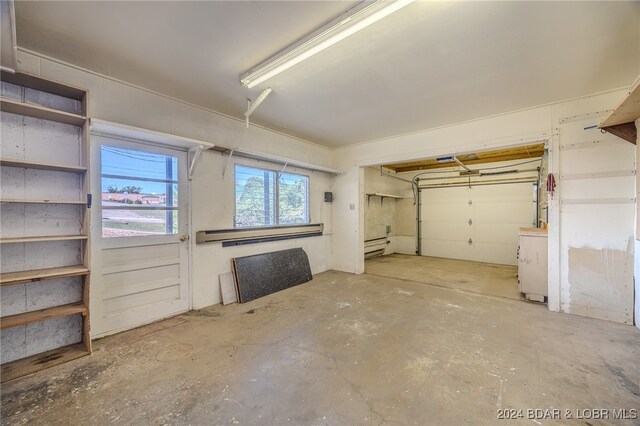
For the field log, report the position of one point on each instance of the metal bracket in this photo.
(224, 170)
(282, 171)
(196, 152)
(251, 106)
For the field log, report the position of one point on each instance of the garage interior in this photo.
(462, 215)
(319, 212)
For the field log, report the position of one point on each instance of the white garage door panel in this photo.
(504, 212)
(497, 233)
(496, 211)
(448, 249)
(446, 212)
(494, 253)
(448, 231)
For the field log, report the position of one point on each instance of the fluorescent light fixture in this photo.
(355, 19)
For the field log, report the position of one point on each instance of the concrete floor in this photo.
(342, 350)
(476, 277)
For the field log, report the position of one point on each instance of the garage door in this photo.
(479, 223)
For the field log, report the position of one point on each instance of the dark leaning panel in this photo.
(262, 274)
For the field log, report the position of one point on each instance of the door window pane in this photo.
(139, 193)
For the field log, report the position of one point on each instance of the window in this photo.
(266, 197)
(139, 193)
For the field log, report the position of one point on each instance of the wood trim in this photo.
(518, 153)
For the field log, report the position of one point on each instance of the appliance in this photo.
(352, 21)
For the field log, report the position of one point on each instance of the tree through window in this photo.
(265, 197)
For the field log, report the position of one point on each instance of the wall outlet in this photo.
(352, 206)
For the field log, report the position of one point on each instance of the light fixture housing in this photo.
(352, 21)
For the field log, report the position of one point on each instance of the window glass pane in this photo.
(255, 201)
(293, 199)
(139, 193)
(129, 162)
(116, 192)
(134, 223)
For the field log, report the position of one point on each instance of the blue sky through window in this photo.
(132, 163)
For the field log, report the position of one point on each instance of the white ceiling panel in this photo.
(427, 65)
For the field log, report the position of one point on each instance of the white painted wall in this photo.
(539, 123)
(596, 191)
(213, 207)
(211, 195)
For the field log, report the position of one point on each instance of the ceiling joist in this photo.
(518, 153)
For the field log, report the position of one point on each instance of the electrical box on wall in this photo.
(328, 197)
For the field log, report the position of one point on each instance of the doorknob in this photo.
(184, 237)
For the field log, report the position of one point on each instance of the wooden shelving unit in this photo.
(51, 92)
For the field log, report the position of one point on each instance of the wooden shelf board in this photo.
(24, 201)
(377, 194)
(42, 239)
(37, 111)
(42, 315)
(11, 278)
(627, 111)
(22, 367)
(49, 86)
(9, 162)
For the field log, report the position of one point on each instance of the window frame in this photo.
(160, 151)
(278, 174)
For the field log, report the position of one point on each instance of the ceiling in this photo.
(470, 159)
(427, 65)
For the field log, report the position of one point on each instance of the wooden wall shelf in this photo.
(24, 201)
(43, 238)
(11, 321)
(44, 113)
(20, 277)
(8, 162)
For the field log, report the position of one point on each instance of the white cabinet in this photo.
(532, 263)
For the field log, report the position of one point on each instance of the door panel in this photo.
(496, 213)
(141, 262)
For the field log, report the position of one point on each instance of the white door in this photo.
(140, 253)
(480, 223)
